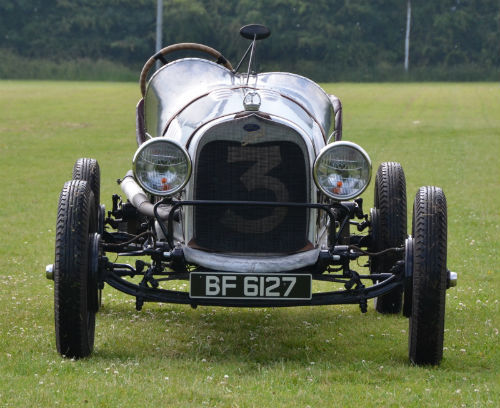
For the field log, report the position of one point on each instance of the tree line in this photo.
(326, 39)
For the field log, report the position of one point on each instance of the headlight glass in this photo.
(161, 167)
(342, 170)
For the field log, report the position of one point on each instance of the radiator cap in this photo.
(252, 101)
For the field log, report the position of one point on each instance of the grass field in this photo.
(443, 134)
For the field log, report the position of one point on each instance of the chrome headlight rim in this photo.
(335, 145)
(158, 192)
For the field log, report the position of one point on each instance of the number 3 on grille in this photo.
(256, 177)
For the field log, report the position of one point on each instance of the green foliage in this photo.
(455, 32)
(327, 39)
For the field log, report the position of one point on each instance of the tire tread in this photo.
(390, 199)
(73, 337)
(426, 332)
(88, 170)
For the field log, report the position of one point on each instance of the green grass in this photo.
(167, 355)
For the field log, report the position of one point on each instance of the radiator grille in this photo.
(265, 171)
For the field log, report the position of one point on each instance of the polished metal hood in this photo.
(186, 94)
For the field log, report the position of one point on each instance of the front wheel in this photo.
(74, 290)
(429, 277)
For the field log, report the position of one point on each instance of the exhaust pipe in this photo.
(138, 197)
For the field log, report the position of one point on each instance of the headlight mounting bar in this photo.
(168, 230)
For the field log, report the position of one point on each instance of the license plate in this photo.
(216, 285)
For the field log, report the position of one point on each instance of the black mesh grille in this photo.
(270, 171)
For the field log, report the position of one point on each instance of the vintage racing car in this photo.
(243, 186)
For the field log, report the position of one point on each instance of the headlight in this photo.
(161, 166)
(342, 170)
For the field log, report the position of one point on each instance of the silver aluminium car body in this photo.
(191, 100)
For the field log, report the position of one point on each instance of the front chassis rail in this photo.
(352, 296)
(339, 214)
(168, 230)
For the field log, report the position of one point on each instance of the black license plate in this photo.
(216, 285)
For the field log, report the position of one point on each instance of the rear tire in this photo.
(429, 277)
(74, 315)
(390, 200)
(88, 170)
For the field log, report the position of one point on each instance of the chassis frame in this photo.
(333, 263)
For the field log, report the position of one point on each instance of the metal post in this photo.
(159, 27)
(407, 38)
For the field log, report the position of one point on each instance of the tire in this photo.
(74, 317)
(426, 330)
(390, 200)
(88, 170)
